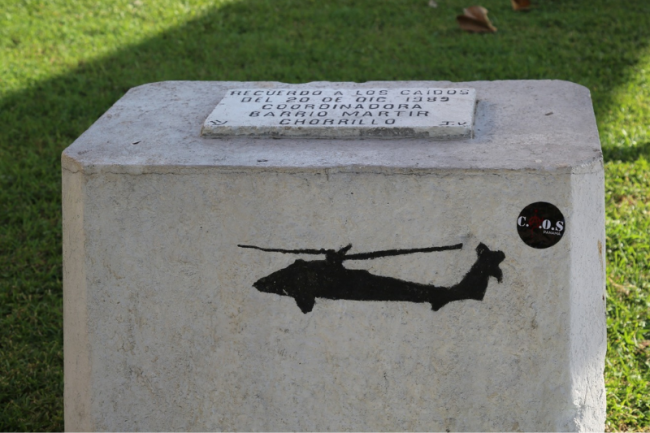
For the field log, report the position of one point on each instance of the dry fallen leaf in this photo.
(474, 19)
(520, 5)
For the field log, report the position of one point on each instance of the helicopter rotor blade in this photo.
(388, 253)
(278, 250)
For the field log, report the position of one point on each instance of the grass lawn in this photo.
(64, 62)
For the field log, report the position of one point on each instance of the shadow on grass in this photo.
(627, 154)
(591, 42)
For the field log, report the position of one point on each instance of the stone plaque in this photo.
(344, 113)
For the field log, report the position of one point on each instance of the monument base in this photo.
(242, 283)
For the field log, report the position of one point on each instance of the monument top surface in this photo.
(344, 113)
(544, 125)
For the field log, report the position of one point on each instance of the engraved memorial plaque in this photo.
(344, 113)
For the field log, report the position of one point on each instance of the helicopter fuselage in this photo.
(307, 280)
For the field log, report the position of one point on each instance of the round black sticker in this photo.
(541, 225)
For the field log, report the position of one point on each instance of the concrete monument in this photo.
(336, 256)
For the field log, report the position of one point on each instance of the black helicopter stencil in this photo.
(305, 281)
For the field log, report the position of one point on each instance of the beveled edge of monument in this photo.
(432, 131)
(513, 124)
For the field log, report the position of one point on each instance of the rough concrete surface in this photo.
(164, 329)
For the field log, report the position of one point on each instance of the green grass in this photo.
(64, 62)
(628, 256)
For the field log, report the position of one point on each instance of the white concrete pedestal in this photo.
(165, 330)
